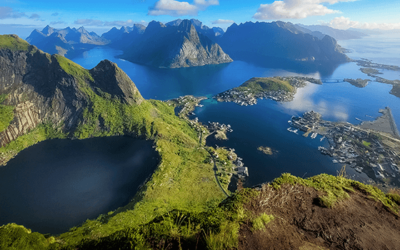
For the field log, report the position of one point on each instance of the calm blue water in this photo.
(57, 184)
(265, 124)
(384, 49)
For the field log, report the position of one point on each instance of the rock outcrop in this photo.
(44, 89)
(174, 47)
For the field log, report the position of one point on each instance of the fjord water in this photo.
(57, 184)
(266, 123)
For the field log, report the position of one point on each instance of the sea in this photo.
(51, 180)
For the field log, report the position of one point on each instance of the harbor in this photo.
(375, 152)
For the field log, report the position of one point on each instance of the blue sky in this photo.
(22, 16)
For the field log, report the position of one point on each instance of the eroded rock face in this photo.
(43, 92)
(40, 90)
(26, 117)
(174, 47)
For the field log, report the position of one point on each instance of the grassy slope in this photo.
(13, 43)
(257, 85)
(184, 179)
(6, 114)
(218, 226)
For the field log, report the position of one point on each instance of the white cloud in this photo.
(222, 21)
(34, 16)
(57, 22)
(99, 23)
(346, 23)
(89, 22)
(7, 12)
(176, 8)
(303, 102)
(295, 9)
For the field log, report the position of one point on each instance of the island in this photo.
(266, 150)
(280, 89)
(360, 83)
(370, 71)
(369, 64)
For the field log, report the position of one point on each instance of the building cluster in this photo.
(246, 96)
(361, 149)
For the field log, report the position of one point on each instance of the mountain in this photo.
(212, 33)
(122, 38)
(174, 47)
(335, 33)
(180, 206)
(279, 43)
(64, 41)
(52, 89)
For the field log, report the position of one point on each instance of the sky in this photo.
(22, 16)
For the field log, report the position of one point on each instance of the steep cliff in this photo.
(51, 89)
(174, 47)
(279, 42)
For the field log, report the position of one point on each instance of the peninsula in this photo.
(372, 147)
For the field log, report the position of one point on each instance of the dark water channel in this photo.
(57, 184)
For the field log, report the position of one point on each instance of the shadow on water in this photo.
(325, 69)
(57, 184)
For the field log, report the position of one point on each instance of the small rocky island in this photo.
(280, 89)
(266, 150)
(360, 83)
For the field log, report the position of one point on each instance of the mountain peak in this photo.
(47, 30)
(186, 25)
(108, 77)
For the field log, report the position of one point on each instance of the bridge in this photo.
(331, 80)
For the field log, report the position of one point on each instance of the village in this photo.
(247, 95)
(366, 150)
(226, 164)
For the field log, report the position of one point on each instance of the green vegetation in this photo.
(336, 189)
(13, 42)
(261, 221)
(40, 133)
(6, 114)
(184, 179)
(15, 237)
(367, 144)
(257, 85)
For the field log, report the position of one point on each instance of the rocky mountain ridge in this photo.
(279, 43)
(64, 41)
(42, 89)
(174, 47)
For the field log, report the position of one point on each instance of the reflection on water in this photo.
(265, 124)
(304, 101)
(57, 184)
(163, 84)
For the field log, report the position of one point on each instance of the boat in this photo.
(334, 161)
(314, 135)
(358, 169)
(322, 138)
